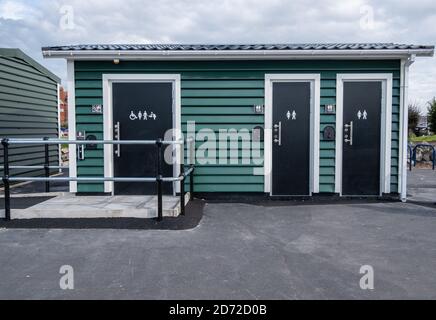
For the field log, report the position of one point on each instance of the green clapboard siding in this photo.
(28, 108)
(220, 95)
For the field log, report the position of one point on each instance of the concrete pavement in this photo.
(238, 251)
(421, 186)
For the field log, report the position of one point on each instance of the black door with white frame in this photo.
(141, 111)
(291, 103)
(362, 103)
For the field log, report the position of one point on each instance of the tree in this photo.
(414, 115)
(432, 114)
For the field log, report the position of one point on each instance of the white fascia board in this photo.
(72, 125)
(234, 54)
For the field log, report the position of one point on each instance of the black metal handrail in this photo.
(410, 150)
(159, 179)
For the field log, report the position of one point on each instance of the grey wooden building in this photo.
(28, 109)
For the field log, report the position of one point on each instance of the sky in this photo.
(29, 25)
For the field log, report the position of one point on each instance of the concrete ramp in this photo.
(72, 206)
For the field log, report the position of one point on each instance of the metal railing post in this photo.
(46, 165)
(191, 183)
(191, 162)
(182, 189)
(182, 181)
(5, 179)
(434, 154)
(159, 179)
(414, 156)
(410, 157)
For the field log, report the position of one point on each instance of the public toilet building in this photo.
(309, 118)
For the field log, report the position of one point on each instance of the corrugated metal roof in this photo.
(223, 47)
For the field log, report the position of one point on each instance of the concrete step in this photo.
(72, 206)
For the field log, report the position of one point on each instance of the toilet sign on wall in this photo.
(97, 108)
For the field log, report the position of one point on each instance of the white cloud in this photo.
(14, 10)
(31, 24)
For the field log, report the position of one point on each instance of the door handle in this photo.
(80, 148)
(349, 133)
(118, 137)
(278, 136)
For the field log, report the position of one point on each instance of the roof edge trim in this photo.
(237, 54)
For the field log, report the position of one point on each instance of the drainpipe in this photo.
(59, 128)
(404, 87)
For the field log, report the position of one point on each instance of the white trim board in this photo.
(315, 80)
(386, 124)
(71, 124)
(108, 79)
(404, 115)
(59, 126)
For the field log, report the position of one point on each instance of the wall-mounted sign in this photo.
(362, 115)
(328, 133)
(142, 115)
(329, 108)
(292, 115)
(97, 108)
(258, 109)
(91, 146)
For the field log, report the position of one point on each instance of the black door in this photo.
(291, 138)
(361, 140)
(141, 111)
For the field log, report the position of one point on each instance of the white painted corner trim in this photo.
(386, 126)
(404, 115)
(59, 126)
(71, 124)
(108, 80)
(315, 81)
